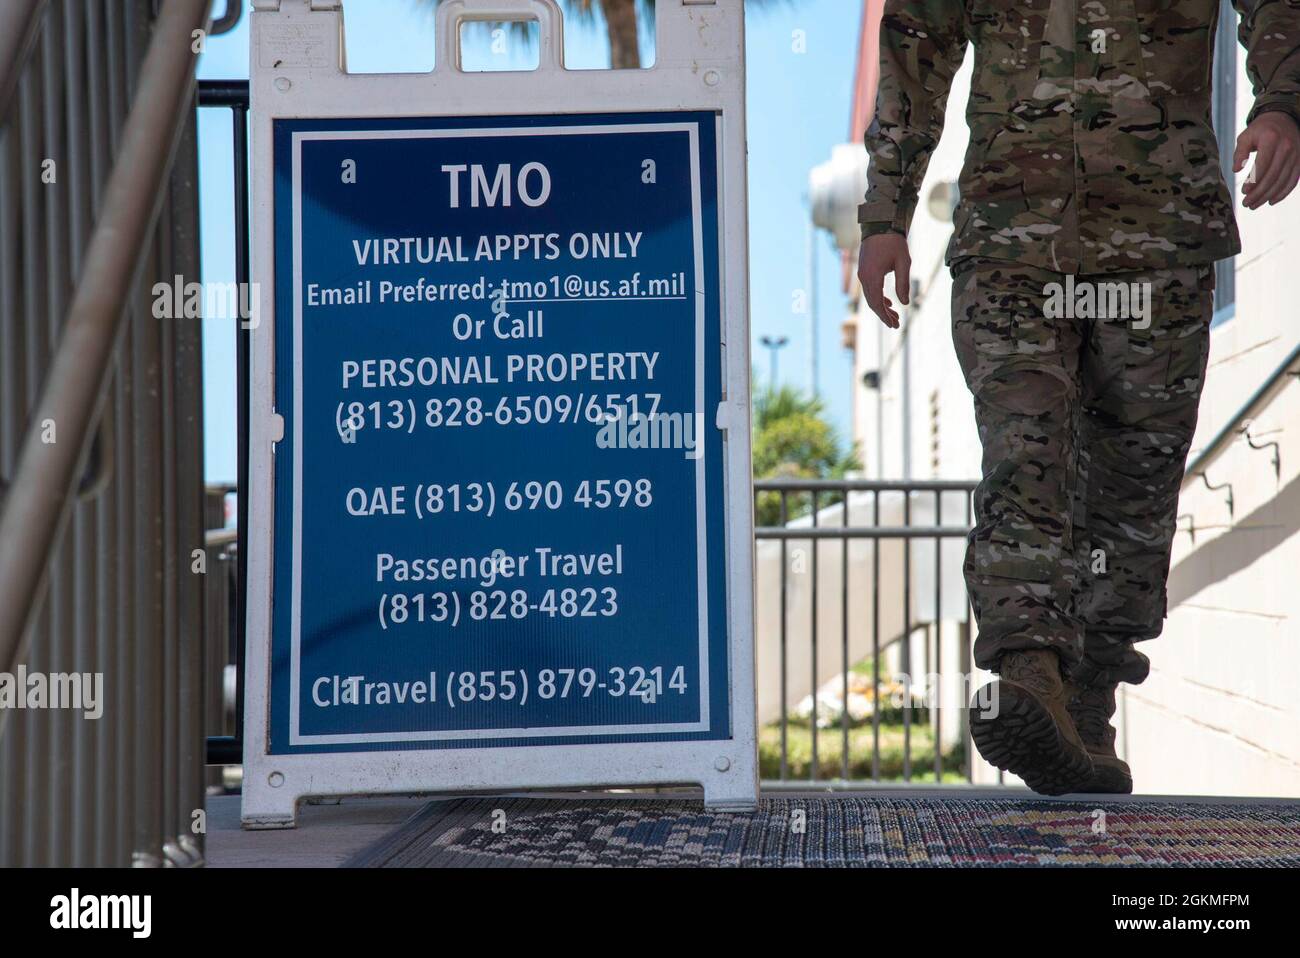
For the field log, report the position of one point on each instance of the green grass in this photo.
(830, 743)
(864, 667)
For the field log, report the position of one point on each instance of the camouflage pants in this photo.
(1086, 424)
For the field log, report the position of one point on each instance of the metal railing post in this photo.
(20, 22)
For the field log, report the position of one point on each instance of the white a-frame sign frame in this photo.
(301, 96)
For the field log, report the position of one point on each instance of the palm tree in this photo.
(794, 439)
(622, 22)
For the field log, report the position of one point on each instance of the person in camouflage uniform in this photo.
(1091, 205)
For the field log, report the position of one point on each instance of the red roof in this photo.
(865, 75)
(867, 70)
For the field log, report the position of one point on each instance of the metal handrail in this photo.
(862, 532)
(1261, 397)
(864, 485)
(228, 20)
(39, 498)
(19, 24)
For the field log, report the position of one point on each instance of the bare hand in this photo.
(1274, 138)
(880, 255)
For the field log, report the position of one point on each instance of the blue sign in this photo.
(499, 514)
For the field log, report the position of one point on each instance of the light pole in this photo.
(812, 308)
(773, 344)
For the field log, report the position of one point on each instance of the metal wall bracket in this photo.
(1277, 449)
(1223, 485)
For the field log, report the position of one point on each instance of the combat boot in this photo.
(1091, 707)
(1024, 727)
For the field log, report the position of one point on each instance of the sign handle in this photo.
(550, 27)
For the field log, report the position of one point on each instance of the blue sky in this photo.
(798, 105)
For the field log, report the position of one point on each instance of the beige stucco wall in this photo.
(1220, 713)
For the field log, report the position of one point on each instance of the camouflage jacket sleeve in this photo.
(1270, 32)
(921, 46)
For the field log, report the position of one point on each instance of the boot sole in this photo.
(1024, 739)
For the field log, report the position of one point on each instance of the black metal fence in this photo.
(232, 95)
(879, 539)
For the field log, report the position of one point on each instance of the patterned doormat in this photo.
(837, 831)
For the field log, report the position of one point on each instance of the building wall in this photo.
(920, 353)
(1220, 713)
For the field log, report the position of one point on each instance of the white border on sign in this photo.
(296, 737)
